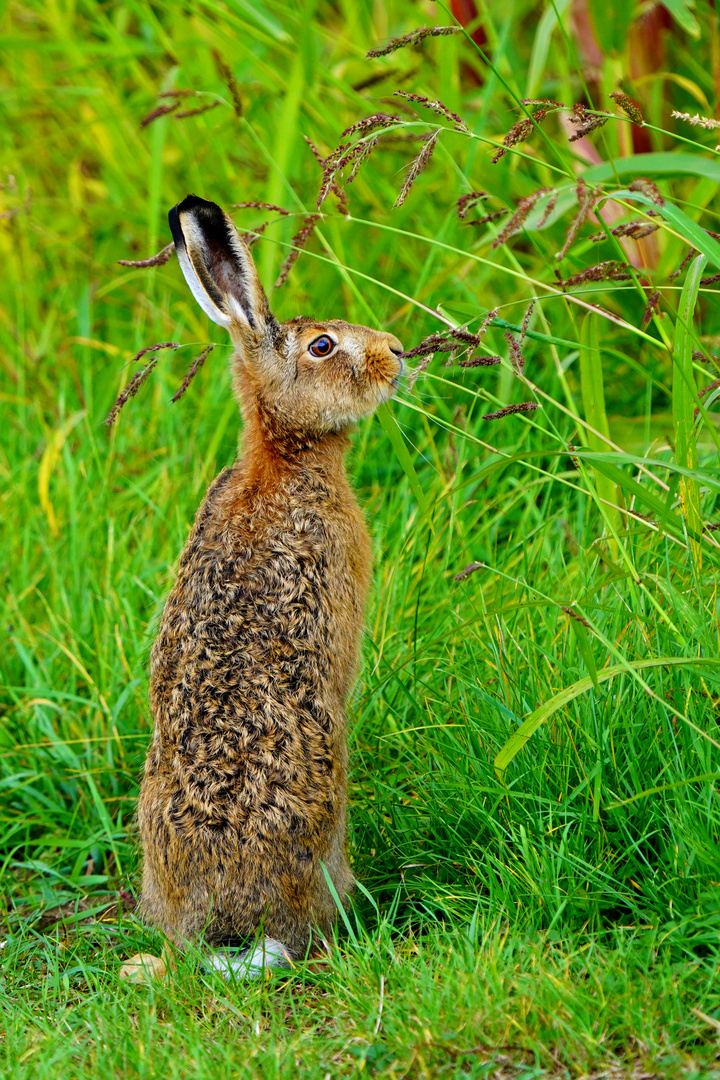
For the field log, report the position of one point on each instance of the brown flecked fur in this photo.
(244, 791)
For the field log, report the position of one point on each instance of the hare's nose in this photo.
(394, 344)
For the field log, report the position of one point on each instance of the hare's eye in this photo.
(321, 346)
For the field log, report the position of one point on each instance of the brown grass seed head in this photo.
(414, 37)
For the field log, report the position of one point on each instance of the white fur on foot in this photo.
(269, 953)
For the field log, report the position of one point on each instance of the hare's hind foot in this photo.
(250, 963)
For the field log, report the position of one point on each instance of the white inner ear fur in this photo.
(228, 277)
(198, 290)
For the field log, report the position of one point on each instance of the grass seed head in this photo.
(510, 410)
(516, 355)
(545, 103)
(465, 203)
(298, 242)
(494, 216)
(479, 361)
(652, 308)
(416, 166)
(707, 358)
(696, 120)
(518, 219)
(225, 72)
(688, 258)
(432, 344)
(629, 107)
(163, 256)
(338, 191)
(159, 110)
(130, 391)
(611, 270)
(527, 318)
(192, 372)
(371, 123)
(518, 133)
(575, 615)
(587, 198)
(648, 188)
(260, 206)
(635, 230)
(470, 569)
(435, 106)
(707, 390)
(251, 236)
(551, 204)
(586, 120)
(413, 38)
(196, 112)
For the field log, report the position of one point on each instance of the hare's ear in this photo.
(217, 265)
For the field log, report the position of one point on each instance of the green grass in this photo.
(534, 809)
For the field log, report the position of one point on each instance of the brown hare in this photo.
(243, 800)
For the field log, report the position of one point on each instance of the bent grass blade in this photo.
(536, 719)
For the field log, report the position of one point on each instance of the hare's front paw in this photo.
(250, 963)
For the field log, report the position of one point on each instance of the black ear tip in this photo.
(209, 213)
(194, 202)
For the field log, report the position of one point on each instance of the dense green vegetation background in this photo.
(549, 912)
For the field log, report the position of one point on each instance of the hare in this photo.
(243, 799)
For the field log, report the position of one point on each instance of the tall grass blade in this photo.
(684, 399)
(537, 718)
(597, 434)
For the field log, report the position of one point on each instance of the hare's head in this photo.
(309, 376)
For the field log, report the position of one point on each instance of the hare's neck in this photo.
(272, 456)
